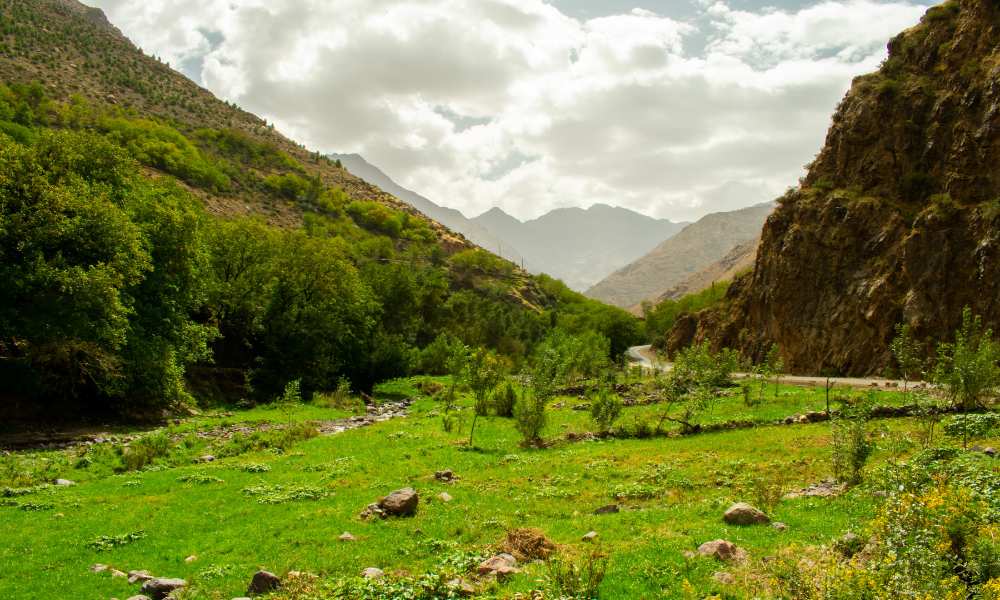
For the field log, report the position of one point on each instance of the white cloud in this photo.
(476, 103)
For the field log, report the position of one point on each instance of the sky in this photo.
(673, 108)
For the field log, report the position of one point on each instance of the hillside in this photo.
(580, 246)
(165, 247)
(696, 247)
(449, 217)
(897, 219)
(736, 262)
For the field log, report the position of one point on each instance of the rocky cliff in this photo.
(898, 219)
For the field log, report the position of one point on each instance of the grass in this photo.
(284, 509)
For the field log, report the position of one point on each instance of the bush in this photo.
(505, 399)
(851, 447)
(143, 451)
(605, 408)
(578, 579)
(530, 418)
(968, 368)
(971, 426)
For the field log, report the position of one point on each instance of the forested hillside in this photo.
(155, 241)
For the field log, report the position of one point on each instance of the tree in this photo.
(907, 352)
(967, 368)
(483, 374)
(605, 408)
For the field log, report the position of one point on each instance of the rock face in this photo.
(898, 219)
(742, 513)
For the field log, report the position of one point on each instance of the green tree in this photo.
(967, 367)
(483, 374)
(907, 352)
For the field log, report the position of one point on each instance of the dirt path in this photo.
(646, 357)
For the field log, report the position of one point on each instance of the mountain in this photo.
(736, 262)
(897, 220)
(668, 264)
(580, 246)
(449, 217)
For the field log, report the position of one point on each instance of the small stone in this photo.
(742, 513)
(446, 475)
(64, 482)
(373, 573)
(723, 550)
(263, 582)
(117, 573)
(191, 559)
(401, 503)
(139, 597)
(724, 578)
(161, 587)
(445, 497)
(779, 526)
(373, 510)
(589, 536)
(206, 458)
(990, 451)
(500, 565)
(607, 510)
(346, 537)
(137, 576)
(463, 587)
(98, 568)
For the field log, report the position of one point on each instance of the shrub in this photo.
(971, 426)
(578, 579)
(907, 352)
(851, 447)
(505, 399)
(967, 368)
(529, 416)
(143, 451)
(605, 408)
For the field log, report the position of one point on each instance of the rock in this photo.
(401, 503)
(137, 576)
(824, 489)
(98, 568)
(346, 537)
(445, 497)
(463, 587)
(161, 587)
(500, 566)
(64, 482)
(723, 550)
(779, 526)
(139, 597)
(589, 536)
(742, 513)
(446, 476)
(373, 573)
(263, 582)
(117, 573)
(607, 510)
(724, 578)
(206, 458)
(990, 451)
(191, 559)
(371, 511)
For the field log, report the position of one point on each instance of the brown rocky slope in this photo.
(898, 219)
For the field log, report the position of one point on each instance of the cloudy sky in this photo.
(674, 108)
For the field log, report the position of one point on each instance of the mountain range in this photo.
(579, 246)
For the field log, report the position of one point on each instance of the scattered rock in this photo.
(191, 559)
(161, 587)
(373, 573)
(500, 566)
(64, 482)
(824, 489)
(346, 537)
(723, 550)
(779, 526)
(263, 582)
(446, 476)
(742, 513)
(607, 510)
(589, 536)
(98, 568)
(445, 497)
(137, 576)
(373, 510)
(401, 503)
(724, 578)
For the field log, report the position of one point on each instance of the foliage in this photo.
(483, 374)
(577, 579)
(972, 426)
(529, 415)
(968, 367)
(908, 353)
(688, 390)
(851, 446)
(505, 398)
(110, 542)
(660, 318)
(605, 408)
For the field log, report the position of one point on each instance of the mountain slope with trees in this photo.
(897, 219)
(157, 241)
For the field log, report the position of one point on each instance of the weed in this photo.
(109, 542)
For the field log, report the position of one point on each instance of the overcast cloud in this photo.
(675, 110)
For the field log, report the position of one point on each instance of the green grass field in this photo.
(282, 509)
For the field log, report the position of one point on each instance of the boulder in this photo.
(724, 578)
(446, 476)
(990, 451)
(401, 503)
(206, 458)
(373, 573)
(346, 537)
(137, 576)
(159, 588)
(98, 568)
(590, 536)
(742, 513)
(263, 582)
(723, 550)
